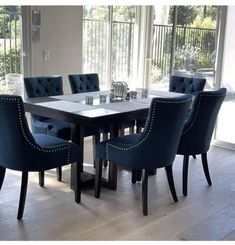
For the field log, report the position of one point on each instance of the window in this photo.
(108, 35)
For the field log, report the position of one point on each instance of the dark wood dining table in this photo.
(73, 109)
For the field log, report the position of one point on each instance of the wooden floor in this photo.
(207, 213)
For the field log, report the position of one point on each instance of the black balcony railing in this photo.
(194, 44)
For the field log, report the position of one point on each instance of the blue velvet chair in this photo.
(43, 87)
(186, 85)
(198, 130)
(81, 83)
(22, 151)
(179, 84)
(154, 148)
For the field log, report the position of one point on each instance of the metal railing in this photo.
(10, 43)
(195, 43)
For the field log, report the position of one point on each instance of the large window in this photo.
(108, 34)
(184, 43)
(10, 42)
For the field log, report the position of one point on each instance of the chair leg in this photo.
(134, 175)
(185, 174)
(171, 182)
(98, 175)
(41, 178)
(131, 130)
(59, 173)
(77, 189)
(23, 192)
(205, 168)
(145, 193)
(138, 129)
(122, 130)
(194, 157)
(139, 175)
(2, 175)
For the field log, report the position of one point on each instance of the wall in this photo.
(61, 35)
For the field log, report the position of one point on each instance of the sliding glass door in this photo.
(225, 133)
(183, 43)
(108, 36)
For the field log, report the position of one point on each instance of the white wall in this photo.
(61, 34)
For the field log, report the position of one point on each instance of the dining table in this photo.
(102, 111)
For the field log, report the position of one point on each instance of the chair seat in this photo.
(127, 140)
(54, 144)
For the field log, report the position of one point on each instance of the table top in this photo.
(73, 107)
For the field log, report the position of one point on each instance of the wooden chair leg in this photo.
(138, 129)
(131, 130)
(41, 178)
(145, 192)
(122, 130)
(194, 157)
(23, 192)
(98, 175)
(185, 175)
(205, 168)
(77, 185)
(59, 173)
(171, 182)
(134, 175)
(139, 175)
(2, 175)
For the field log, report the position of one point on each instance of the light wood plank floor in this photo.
(207, 213)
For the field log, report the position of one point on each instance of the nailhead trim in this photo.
(149, 131)
(198, 106)
(28, 140)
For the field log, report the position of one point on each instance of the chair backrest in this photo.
(159, 141)
(81, 83)
(43, 86)
(15, 137)
(198, 130)
(186, 85)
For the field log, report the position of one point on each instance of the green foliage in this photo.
(207, 22)
(185, 15)
(10, 63)
(124, 13)
(101, 12)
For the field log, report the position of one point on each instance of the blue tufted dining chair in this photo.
(186, 85)
(44, 86)
(180, 84)
(198, 130)
(154, 148)
(22, 151)
(81, 83)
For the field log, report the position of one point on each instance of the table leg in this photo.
(112, 174)
(77, 137)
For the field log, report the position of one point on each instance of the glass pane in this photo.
(122, 42)
(95, 28)
(226, 119)
(161, 47)
(195, 43)
(10, 42)
(195, 47)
